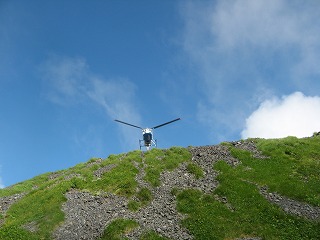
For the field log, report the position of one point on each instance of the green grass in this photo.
(117, 228)
(160, 160)
(252, 216)
(119, 180)
(195, 170)
(134, 205)
(134, 156)
(144, 197)
(25, 186)
(16, 233)
(152, 236)
(42, 206)
(291, 170)
(44, 197)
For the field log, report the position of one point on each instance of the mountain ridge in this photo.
(152, 195)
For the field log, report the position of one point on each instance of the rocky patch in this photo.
(6, 202)
(206, 156)
(98, 173)
(292, 206)
(88, 215)
(31, 227)
(249, 146)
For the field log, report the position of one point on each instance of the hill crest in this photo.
(152, 195)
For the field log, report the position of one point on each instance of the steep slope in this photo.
(252, 189)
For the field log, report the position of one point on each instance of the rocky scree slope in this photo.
(90, 202)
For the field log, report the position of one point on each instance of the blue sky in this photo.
(230, 69)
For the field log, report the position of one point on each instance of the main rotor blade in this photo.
(166, 123)
(128, 124)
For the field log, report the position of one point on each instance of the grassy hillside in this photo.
(260, 194)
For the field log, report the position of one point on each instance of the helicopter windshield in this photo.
(147, 137)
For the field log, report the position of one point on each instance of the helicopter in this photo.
(148, 140)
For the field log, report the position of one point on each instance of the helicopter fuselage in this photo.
(147, 136)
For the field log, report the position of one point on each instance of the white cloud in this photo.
(255, 23)
(69, 81)
(292, 115)
(275, 26)
(242, 48)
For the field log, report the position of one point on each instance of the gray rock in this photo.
(292, 206)
(6, 202)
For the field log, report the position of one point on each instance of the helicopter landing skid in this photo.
(152, 144)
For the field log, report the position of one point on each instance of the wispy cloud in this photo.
(69, 81)
(292, 115)
(246, 51)
(117, 98)
(256, 23)
(66, 79)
